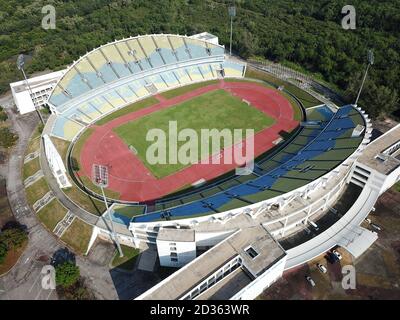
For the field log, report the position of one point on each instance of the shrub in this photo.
(3, 252)
(7, 138)
(3, 116)
(11, 238)
(67, 274)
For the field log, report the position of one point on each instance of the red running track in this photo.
(134, 181)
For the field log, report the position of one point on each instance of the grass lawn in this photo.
(127, 262)
(182, 90)
(129, 211)
(12, 258)
(307, 99)
(128, 109)
(31, 167)
(34, 144)
(77, 236)
(52, 214)
(74, 193)
(36, 191)
(91, 205)
(76, 151)
(61, 146)
(5, 210)
(216, 109)
(87, 183)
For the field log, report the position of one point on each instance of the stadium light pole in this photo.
(20, 66)
(232, 14)
(100, 178)
(371, 60)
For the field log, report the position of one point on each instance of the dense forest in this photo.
(304, 34)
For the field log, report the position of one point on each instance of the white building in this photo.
(41, 87)
(245, 258)
(176, 247)
(55, 163)
(239, 267)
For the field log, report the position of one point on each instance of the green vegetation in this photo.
(7, 137)
(182, 90)
(76, 151)
(31, 167)
(51, 214)
(128, 261)
(129, 109)
(62, 147)
(5, 210)
(67, 274)
(36, 191)
(306, 99)
(77, 236)
(206, 111)
(88, 184)
(397, 187)
(77, 291)
(300, 33)
(129, 211)
(34, 145)
(3, 114)
(12, 243)
(86, 202)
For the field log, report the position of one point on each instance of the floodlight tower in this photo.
(371, 60)
(232, 14)
(20, 66)
(100, 179)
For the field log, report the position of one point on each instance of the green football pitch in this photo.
(213, 110)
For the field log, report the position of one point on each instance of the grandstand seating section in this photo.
(125, 71)
(311, 154)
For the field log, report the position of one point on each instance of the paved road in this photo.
(24, 281)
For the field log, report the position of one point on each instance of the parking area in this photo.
(377, 271)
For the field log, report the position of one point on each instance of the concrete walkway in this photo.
(24, 280)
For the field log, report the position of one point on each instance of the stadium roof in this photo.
(385, 163)
(268, 252)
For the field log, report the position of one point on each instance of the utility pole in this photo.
(100, 178)
(232, 14)
(20, 66)
(371, 59)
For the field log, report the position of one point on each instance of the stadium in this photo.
(315, 179)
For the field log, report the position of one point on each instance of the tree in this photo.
(7, 138)
(3, 252)
(13, 237)
(67, 274)
(9, 239)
